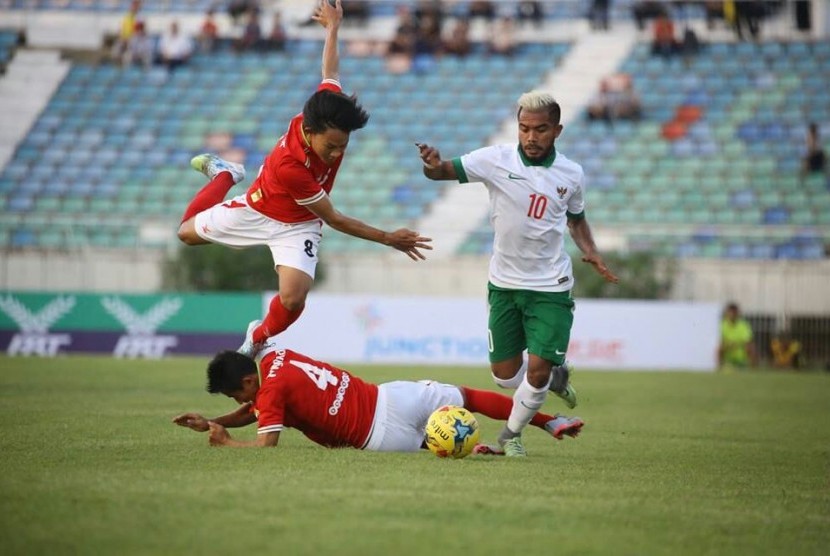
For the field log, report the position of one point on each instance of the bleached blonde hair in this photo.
(540, 101)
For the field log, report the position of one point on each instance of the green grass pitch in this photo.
(668, 463)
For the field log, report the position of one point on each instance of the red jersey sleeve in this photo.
(299, 182)
(330, 85)
(270, 401)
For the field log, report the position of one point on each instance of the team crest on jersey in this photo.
(34, 337)
(562, 191)
(141, 339)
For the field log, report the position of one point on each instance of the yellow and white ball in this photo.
(452, 432)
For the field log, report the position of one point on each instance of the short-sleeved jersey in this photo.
(734, 336)
(293, 175)
(327, 404)
(530, 204)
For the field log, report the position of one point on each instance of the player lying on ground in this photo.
(288, 202)
(335, 408)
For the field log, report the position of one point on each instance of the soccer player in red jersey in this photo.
(335, 408)
(289, 200)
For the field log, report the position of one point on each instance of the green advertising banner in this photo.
(191, 312)
(125, 325)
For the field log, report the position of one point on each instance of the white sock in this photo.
(526, 403)
(512, 383)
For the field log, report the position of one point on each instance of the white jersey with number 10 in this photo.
(529, 207)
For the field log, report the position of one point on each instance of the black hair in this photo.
(732, 306)
(554, 113)
(329, 109)
(226, 371)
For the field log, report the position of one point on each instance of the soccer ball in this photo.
(451, 432)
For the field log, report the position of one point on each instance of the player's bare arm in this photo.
(242, 417)
(219, 436)
(404, 240)
(434, 167)
(584, 239)
(329, 17)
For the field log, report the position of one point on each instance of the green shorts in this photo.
(523, 319)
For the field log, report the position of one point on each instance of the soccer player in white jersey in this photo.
(535, 193)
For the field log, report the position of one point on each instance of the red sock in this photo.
(278, 319)
(497, 406)
(211, 194)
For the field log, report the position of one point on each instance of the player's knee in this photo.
(293, 301)
(506, 372)
(539, 376)
(187, 236)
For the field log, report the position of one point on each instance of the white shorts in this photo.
(402, 412)
(235, 224)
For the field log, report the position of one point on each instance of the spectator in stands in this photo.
(615, 100)
(239, 8)
(531, 12)
(643, 11)
(748, 15)
(814, 160)
(599, 107)
(140, 49)
(401, 49)
(458, 42)
(356, 12)
(428, 43)
(714, 11)
(208, 32)
(483, 9)
(690, 45)
(278, 36)
(251, 38)
(174, 47)
(125, 33)
(428, 40)
(736, 347)
(407, 20)
(430, 9)
(503, 37)
(664, 42)
(598, 15)
(628, 105)
(785, 351)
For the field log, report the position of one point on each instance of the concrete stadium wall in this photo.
(776, 287)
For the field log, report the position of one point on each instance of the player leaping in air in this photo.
(335, 408)
(288, 201)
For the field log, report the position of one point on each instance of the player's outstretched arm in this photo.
(239, 418)
(404, 240)
(219, 436)
(330, 16)
(434, 167)
(584, 239)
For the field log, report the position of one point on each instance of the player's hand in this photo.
(218, 435)
(409, 242)
(327, 14)
(192, 421)
(598, 264)
(429, 156)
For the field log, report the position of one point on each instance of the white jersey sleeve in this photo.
(576, 202)
(477, 165)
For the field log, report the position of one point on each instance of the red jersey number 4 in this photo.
(319, 376)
